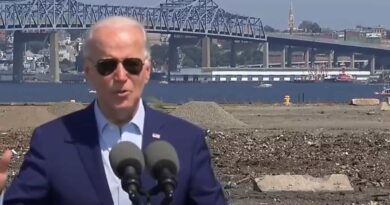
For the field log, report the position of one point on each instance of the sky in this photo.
(334, 14)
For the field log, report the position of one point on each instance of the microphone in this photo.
(162, 161)
(127, 162)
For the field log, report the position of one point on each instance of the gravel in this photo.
(241, 155)
(64, 108)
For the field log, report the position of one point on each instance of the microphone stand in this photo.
(166, 201)
(157, 189)
(134, 196)
(147, 196)
(168, 187)
(131, 184)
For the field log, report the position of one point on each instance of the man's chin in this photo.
(125, 105)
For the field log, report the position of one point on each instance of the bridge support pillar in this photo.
(352, 61)
(307, 58)
(372, 64)
(206, 52)
(289, 56)
(18, 67)
(172, 55)
(312, 57)
(335, 59)
(54, 60)
(233, 56)
(265, 49)
(330, 59)
(283, 63)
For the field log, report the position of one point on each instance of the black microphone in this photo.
(162, 161)
(127, 162)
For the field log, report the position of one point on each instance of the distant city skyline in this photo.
(334, 14)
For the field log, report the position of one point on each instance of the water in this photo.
(184, 92)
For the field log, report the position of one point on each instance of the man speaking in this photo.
(68, 160)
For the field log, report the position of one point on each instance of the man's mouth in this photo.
(122, 92)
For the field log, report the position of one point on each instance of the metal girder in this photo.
(188, 17)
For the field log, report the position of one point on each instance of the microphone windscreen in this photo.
(126, 154)
(161, 154)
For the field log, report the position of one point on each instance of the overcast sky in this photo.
(335, 14)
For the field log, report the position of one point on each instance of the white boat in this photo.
(385, 92)
(92, 91)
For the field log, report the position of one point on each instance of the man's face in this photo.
(117, 90)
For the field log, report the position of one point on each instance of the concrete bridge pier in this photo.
(233, 56)
(330, 59)
(265, 50)
(335, 58)
(372, 65)
(18, 53)
(352, 65)
(283, 63)
(206, 43)
(307, 57)
(289, 56)
(54, 60)
(172, 54)
(312, 57)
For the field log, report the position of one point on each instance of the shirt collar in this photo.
(138, 119)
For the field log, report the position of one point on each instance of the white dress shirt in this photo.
(109, 135)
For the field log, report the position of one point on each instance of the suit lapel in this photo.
(152, 125)
(86, 140)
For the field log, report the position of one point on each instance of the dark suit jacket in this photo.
(64, 163)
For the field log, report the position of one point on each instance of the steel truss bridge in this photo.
(188, 17)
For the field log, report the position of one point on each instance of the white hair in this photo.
(114, 20)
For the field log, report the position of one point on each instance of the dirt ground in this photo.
(319, 140)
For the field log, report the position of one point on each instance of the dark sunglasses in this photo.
(107, 66)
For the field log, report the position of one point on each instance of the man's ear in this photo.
(87, 71)
(148, 70)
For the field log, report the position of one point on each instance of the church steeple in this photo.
(291, 24)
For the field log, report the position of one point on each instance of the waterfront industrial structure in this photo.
(185, 21)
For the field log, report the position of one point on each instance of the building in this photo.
(291, 24)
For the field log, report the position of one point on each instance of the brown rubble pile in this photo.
(63, 108)
(207, 115)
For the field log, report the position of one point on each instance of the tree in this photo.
(309, 26)
(315, 28)
(269, 29)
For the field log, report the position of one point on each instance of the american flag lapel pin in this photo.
(156, 136)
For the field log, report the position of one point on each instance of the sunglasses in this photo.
(107, 66)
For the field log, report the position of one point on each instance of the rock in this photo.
(305, 183)
(385, 106)
(365, 101)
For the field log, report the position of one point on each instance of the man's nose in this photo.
(120, 73)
